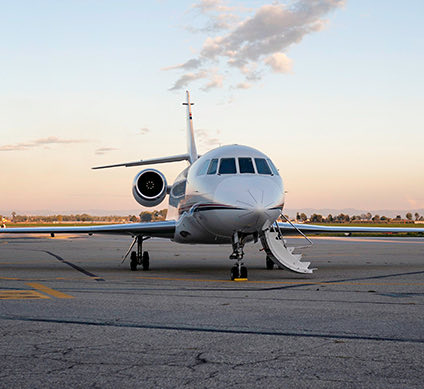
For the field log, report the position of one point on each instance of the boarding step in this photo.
(282, 255)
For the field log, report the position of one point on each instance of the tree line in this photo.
(158, 215)
(363, 218)
(145, 216)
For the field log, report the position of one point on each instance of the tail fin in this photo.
(191, 144)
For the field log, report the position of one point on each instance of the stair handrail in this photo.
(280, 234)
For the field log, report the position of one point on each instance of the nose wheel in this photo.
(238, 271)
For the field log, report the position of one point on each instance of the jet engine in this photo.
(149, 187)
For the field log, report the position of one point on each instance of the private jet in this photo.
(232, 195)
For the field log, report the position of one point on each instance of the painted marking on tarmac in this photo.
(50, 291)
(21, 295)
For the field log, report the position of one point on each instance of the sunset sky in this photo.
(332, 91)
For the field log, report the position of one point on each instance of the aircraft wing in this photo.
(162, 229)
(312, 228)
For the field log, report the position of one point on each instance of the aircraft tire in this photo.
(243, 272)
(133, 261)
(234, 271)
(145, 262)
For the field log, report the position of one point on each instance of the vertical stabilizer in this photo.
(191, 144)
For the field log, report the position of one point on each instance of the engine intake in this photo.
(149, 187)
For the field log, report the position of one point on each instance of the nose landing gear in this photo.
(238, 271)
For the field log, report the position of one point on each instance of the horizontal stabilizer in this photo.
(152, 161)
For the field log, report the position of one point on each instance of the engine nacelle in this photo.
(149, 187)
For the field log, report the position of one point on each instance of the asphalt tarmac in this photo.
(72, 316)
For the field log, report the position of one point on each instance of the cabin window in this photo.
(203, 168)
(246, 165)
(273, 168)
(262, 166)
(212, 167)
(227, 166)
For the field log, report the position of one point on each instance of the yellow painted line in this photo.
(50, 291)
(21, 295)
(240, 279)
(9, 278)
(300, 282)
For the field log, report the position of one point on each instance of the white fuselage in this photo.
(229, 189)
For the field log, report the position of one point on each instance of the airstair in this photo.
(283, 256)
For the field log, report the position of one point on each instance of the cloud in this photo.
(185, 79)
(205, 139)
(144, 130)
(220, 16)
(243, 85)
(51, 140)
(256, 38)
(103, 150)
(216, 81)
(190, 64)
(279, 63)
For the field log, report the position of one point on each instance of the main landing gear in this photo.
(138, 257)
(238, 271)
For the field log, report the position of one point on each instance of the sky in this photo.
(331, 90)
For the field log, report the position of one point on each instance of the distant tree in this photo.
(330, 218)
(417, 215)
(369, 216)
(13, 216)
(409, 216)
(316, 218)
(163, 213)
(383, 218)
(376, 218)
(303, 217)
(297, 216)
(146, 217)
(398, 217)
(133, 218)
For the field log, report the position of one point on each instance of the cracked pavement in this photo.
(356, 322)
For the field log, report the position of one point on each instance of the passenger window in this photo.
(227, 166)
(203, 168)
(246, 165)
(262, 167)
(273, 168)
(212, 167)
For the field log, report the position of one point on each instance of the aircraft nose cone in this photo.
(258, 199)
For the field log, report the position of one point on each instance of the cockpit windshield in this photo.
(273, 168)
(212, 167)
(262, 166)
(227, 166)
(246, 165)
